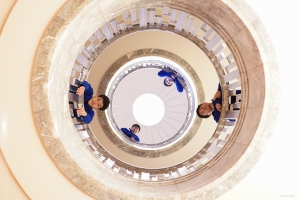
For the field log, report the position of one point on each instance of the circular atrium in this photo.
(125, 56)
(150, 143)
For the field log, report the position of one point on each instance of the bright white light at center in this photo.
(148, 109)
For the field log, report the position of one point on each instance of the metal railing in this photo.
(158, 65)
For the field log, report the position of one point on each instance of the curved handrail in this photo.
(158, 65)
(213, 45)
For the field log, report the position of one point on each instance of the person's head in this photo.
(135, 128)
(100, 102)
(106, 102)
(204, 110)
(168, 81)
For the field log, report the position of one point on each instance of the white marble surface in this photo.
(63, 57)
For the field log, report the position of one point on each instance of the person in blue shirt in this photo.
(91, 102)
(214, 108)
(131, 132)
(172, 77)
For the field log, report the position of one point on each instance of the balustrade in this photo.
(217, 51)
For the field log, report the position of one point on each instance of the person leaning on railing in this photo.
(214, 108)
(132, 132)
(91, 102)
(172, 77)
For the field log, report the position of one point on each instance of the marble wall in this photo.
(247, 39)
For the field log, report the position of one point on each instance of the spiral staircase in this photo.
(47, 46)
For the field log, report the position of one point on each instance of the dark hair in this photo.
(105, 102)
(199, 115)
(136, 126)
(166, 83)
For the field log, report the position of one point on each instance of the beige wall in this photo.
(35, 172)
(21, 146)
(6, 8)
(10, 188)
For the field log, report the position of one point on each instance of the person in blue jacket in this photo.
(214, 108)
(91, 102)
(172, 77)
(131, 132)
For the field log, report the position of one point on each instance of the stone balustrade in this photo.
(208, 40)
(251, 48)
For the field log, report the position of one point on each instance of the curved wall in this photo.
(11, 188)
(14, 140)
(218, 172)
(6, 8)
(20, 142)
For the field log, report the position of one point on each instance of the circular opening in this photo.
(148, 109)
(177, 108)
